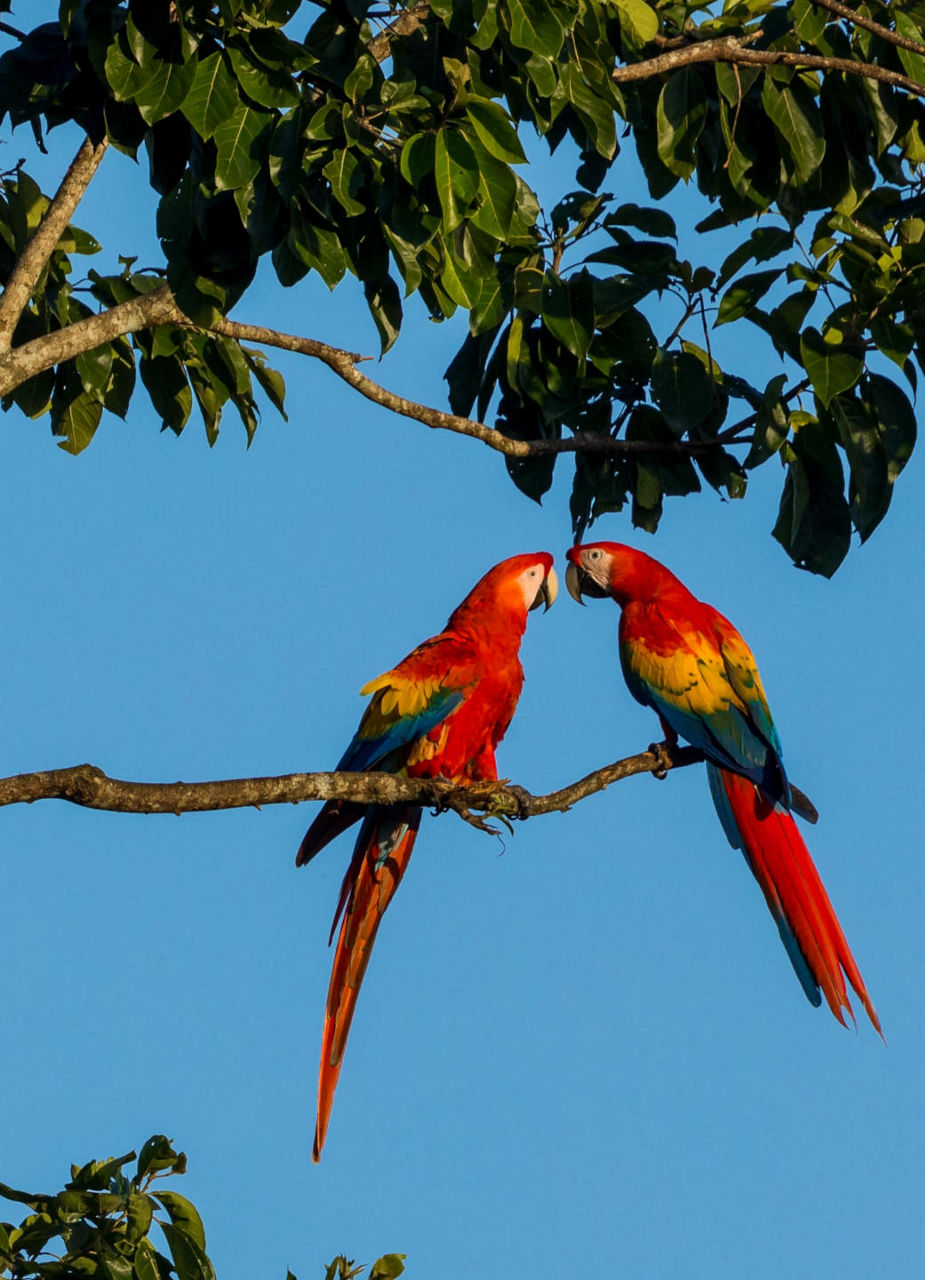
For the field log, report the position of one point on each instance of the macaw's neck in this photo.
(639, 579)
(499, 623)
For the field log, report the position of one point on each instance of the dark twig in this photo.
(733, 49)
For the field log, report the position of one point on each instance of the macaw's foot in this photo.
(521, 798)
(662, 753)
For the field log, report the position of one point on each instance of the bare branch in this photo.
(159, 307)
(144, 312)
(343, 363)
(86, 785)
(42, 243)
(859, 20)
(733, 49)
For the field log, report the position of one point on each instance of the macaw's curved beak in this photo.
(580, 583)
(573, 578)
(547, 592)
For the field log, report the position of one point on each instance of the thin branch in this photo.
(90, 787)
(159, 307)
(86, 785)
(343, 363)
(732, 49)
(859, 20)
(41, 244)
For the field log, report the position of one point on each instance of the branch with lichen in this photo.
(90, 787)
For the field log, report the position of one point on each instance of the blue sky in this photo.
(582, 1050)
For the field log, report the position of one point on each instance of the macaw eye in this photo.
(594, 555)
(532, 573)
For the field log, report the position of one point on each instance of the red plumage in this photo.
(439, 714)
(689, 664)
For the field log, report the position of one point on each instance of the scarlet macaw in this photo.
(689, 664)
(440, 713)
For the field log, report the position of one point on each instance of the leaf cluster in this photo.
(387, 143)
(100, 1225)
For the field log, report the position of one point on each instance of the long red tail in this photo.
(795, 894)
(381, 855)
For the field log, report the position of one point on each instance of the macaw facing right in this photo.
(439, 714)
(689, 664)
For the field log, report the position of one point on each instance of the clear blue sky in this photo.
(582, 1052)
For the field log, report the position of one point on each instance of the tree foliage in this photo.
(387, 142)
(101, 1223)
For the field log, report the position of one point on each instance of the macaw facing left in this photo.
(690, 665)
(440, 713)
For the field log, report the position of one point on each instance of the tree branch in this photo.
(859, 20)
(90, 787)
(144, 312)
(159, 307)
(41, 244)
(733, 49)
(343, 363)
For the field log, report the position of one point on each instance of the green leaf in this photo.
(494, 130)
(895, 340)
(830, 368)
(456, 174)
(145, 1262)
(183, 1215)
(94, 368)
(594, 111)
(346, 176)
(568, 311)
(680, 118)
(139, 1215)
(640, 18)
(268, 88)
(814, 523)
(76, 419)
(238, 159)
(388, 1267)
(771, 424)
(533, 27)
(809, 22)
(763, 244)
(166, 383)
(913, 63)
(188, 1256)
(895, 421)
(271, 380)
(384, 302)
(123, 73)
(497, 198)
(870, 489)
(742, 296)
(795, 115)
(532, 476)
(212, 97)
(682, 389)
(166, 90)
(418, 158)
(654, 222)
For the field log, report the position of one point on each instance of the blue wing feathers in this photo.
(365, 753)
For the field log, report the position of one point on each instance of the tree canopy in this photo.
(101, 1224)
(387, 141)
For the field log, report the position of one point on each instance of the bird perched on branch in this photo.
(439, 714)
(690, 665)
